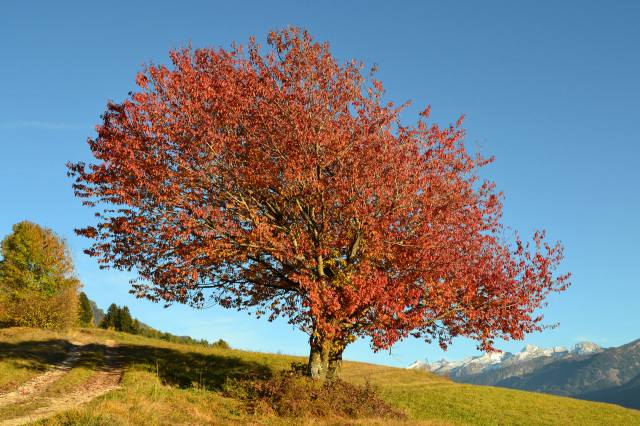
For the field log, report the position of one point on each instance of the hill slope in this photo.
(165, 383)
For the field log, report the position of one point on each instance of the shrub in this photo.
(30, 309)
(291, 394)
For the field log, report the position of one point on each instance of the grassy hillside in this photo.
(165, 383)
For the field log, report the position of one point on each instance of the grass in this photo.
(88, 366)
(165, 383)
(26, 353)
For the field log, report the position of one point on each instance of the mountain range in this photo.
(586, 371)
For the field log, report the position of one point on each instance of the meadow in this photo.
(168, 383)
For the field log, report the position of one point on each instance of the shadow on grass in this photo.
(35, 355)
(92, 356)
(184, 368)
(178, 368)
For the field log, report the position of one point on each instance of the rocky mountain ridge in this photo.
(586, 371)
(98, 313)
(495, 360)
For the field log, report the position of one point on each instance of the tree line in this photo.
(119, 319)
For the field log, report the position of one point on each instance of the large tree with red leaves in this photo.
(281, 183)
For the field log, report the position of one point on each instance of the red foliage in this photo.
(280, 182)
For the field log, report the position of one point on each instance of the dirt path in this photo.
(106, 380)
(40, 382)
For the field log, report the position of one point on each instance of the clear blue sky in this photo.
(552, 89)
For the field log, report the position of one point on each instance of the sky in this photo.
(551, 89)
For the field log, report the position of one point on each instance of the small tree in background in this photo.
(109, 320)
(279, 181)
(85, 315)
(38, 286)
(120, 320)
(124, 322)
(136, 328)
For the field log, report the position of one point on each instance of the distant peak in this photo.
(418, 365)
(530, 348)
(584, 348)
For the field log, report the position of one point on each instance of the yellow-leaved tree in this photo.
(38, 284)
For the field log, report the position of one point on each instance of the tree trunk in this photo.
(325, 360)
(334, 370)
(319, 360)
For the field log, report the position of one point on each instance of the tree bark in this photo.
(319, 360)
(325, 360)
(334, 369)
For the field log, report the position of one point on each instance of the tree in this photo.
(124, 322)
(38, 286)
(110, 318)
(282, 183)
(135, 327)
(120, 320)
(85, 315)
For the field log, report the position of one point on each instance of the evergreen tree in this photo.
(135, 327)
(109, 319)
(120, 320)
(124, 322)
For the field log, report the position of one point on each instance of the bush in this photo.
(291, 394)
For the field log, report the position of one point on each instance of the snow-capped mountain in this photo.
(585, 348)
(418, 365)
(586, 371)
(495, 360)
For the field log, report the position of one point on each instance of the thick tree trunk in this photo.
(319, 360)
(325, 360)
(334, 370)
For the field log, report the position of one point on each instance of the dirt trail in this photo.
(41, 381)
(106, 380)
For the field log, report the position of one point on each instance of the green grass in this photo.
(167, 383)
(26, 353)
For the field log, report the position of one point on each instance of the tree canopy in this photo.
(281, 182)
